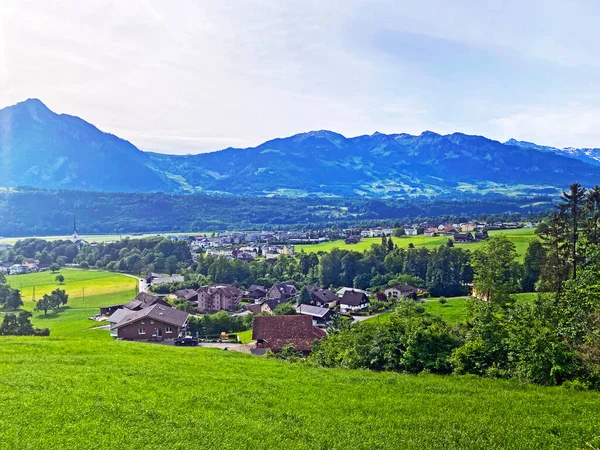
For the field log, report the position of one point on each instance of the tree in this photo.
(496, 270)
(44, 304)
(84, 265)
(171, 263)
(61, 261)
(304, 298)
(390, 244)
(60, 278)
(399, 232)
(532, 265)
(443, 301)
(14, 299)
(59, 298)
(284, 309)
(384, 242)
(573, 207)
(54, 268)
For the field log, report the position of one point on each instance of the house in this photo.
(320, 316)
(343, 290)
(403, 291)
(449, 230)
(116, 317)
(157, 322)
(275, 332)
(18, 269)
(431, 232)
(108, 310)
(353, 301)
(189, 294)
(352, 240)
(282, 291)
(217, 297)
(468, 227)
(410, 231)
(144, 300)
(255, 291)
(324, 298)
(463, 237)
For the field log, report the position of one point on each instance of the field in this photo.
(520, 237)
(453, 312)
(80, 392)
(87, 289)
(79, 388)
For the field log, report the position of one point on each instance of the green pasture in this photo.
(520, 237)
(453, 312)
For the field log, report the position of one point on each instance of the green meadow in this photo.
(79, 388)
(88, 391)
(520, 237)
(87, 289)
(454, 311)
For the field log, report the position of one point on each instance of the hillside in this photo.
(88, 391)
(42, 149)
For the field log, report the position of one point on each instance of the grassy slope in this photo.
(453, 312)
(101, 289)
(519, 237)
(99, 393)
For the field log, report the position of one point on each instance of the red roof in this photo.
(278, 331)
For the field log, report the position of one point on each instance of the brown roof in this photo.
(186, 293)
(143, 300)
(325, 295)
(254, 308)
(278, 331)
(353, 298)
(405, 288)
(256, 287)
(162, 313)
(227, 289)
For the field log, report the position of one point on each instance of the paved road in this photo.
(142, 285)
(361, 318)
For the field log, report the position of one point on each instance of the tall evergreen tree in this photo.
(573, 208)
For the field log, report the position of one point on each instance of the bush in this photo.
(443, 300)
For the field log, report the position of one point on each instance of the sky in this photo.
(190, 76)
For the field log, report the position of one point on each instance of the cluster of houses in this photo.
(28, 266)
(151, 318)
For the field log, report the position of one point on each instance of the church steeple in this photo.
(75, 237)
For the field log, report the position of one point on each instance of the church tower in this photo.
(75, 237)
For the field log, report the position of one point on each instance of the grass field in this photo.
(453, 312)
(97, 393)
(79, 388)
(520, 237)
(245, 336)
(100, 289)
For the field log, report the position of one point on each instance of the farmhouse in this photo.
(343, 290)
(282, 291)
(324, 298)
(275, 332)
(463, 237)
(256, 291)
(353, 301)
(402, 291)
(144, 300)
(320, 316)
(157, 322)
(217, 297)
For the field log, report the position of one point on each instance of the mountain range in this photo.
(40, 148)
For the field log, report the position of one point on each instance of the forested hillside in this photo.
(43, 212)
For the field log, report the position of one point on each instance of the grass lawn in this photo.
(453, 312)
(520, 237)
(77, 392)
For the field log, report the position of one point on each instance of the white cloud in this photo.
(555, 126)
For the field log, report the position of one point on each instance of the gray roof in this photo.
(119, 315)
(311, 310)
(163, 313)
(343, 290)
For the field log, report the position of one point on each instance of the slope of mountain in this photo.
(587, 155)
(42, 149)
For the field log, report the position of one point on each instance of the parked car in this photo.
(186, 340)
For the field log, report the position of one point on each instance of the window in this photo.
(142, 331)
(143, 322)
(152, 321)
(168, 330)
